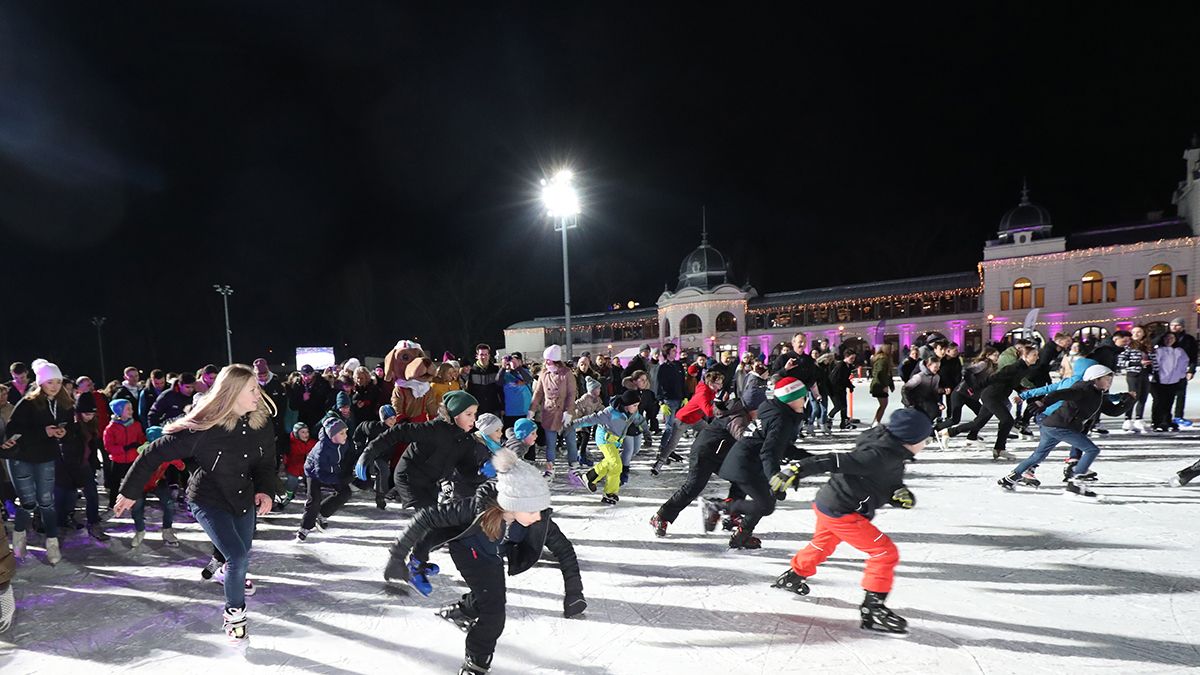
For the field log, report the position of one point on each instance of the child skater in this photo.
(161, 489)
(612, 424)
(300, 442)
(508, 519)
(323, 470)
(869, 477)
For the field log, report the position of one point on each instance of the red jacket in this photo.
(121, 442)
(297, 452)
(699, 406)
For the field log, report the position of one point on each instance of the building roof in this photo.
(594, 317)
(1025, 215)
(704, 268)
(874, 289)
(1131, 233)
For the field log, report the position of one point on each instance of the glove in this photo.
(360, 471)
(903, 498)
(786, 478)
(418, 576)
(567, 419)
(487, 470)
(396, 570)
(574, 605)
(529, 416)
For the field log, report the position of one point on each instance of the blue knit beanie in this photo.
(909, 426)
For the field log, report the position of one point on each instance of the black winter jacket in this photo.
(436, 525)
(167, 406)
(756, 455)
(951, 372)
(975, 379)
(863, 479)
(1188, 344)
(436, 448)
(231, 465)
(30, 419)
(320, 398)
(1005, 381)
(839, 379)
(1106, 354)
(670, 381)
(805, 369)
(1082, 404)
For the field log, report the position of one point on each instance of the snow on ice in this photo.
(991, 582)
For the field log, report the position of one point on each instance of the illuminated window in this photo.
(1180, 285)
(690, 325)
(726, 322)
(1092, 288)
(1003, 301)
(1022, 294)
(1073, 294)
(1160, 281)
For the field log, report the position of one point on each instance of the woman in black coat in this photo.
(231, 439)
(508, 519)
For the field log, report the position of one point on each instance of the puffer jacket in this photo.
(436, 525)
(586, 405)
(612, 425)
(121, 442)
(324, 461)
(231, 465)
(554, 394)
(756, 455)
(863, 479)
(1079, 406)
(699, 406)
(436, 448)
(297, 453)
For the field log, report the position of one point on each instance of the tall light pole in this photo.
(98, 321)
(225, 292)
(562, 203)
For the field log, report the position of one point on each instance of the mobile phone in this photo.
(62, 425)
(14, 437)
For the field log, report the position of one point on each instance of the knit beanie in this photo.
(332, 426)
(85, 403)
(488, 423)
(1095, 372)
(44, 371)
(298, 427)
(458, 401)
(385, 411)
(523, 428)
(117, 406)
(591, 384)
(627, 397)
(909, 425)
(1177, 320)
(552, 353)
(343, 399)
(520, 487)
(789, 389)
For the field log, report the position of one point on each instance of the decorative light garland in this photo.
(855, 302)
(1031, 260)
(1086, 322)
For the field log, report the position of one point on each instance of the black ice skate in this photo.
(877, 617)
(1186, 476)
(790, 581)
(1029, 478)
(590, 478)
(474, 665)
(610, 500)
(1089, 476)
(1069, 469)
(1008, 482)
(455, 615)
(659, 525)
(711, 509)
(741, 539)
(1077, 489)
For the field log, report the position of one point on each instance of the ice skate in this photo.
(8, 607)
(210, 568)
(609, 500)
(322, 523)
(589, 479)
(1028, 478)
(235, 625)
(674, 457)
(1089, 476)
(711, 513)
(475, 665)
(18, 544)
(659, 525)
(741, 539)
(943, 439)
(1184, 477)
(1139, 426)
(1127, 425)
(455, 615)
(1076, 490)
(548, 474)
(1008, 482)
(573, 479)
(302, 535)
(96, 532)
(657, 468)
(790, 581)
(138, 538)
(877, 617)
(219, 577)
(53, 554)
(380, 503)
(1069, 469)
(169, 538)
(1001, 454)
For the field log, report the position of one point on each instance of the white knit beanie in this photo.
(521, 487)
(44, 371)
(552, 353)
(487, 423)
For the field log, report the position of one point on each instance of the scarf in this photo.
(418, 387)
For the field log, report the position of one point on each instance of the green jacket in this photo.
(882, 373)
(1007, 358)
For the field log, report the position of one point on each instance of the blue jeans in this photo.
(669, 427)
(65, 500)
(163, 492)
(34, 483)
(232, 535)
(1051, 437)
(568, 436)
(630, 447)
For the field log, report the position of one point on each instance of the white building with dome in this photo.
(1088, 283)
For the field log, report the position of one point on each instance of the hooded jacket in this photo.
(699, 406)
(1079, 406)
(612, 425)
(922, 389)
(121, 441)
(757, 453)
(436, 448)
(863, 479)
(1080, 367)
(553, 394)
(1170, 364)
(297, 453)
(324, 461)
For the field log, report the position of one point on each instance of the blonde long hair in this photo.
(217, 406)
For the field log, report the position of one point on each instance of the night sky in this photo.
(363, 172)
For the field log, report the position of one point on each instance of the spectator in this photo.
(483, 381)
(171, 403)
(311, 397)
(155, 386)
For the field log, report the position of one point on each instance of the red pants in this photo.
(857, 531)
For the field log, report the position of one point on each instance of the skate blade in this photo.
(886, 633)
(1085, 500)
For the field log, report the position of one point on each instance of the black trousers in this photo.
(112, 480)
(1138, 385)
(700, 471)
(990, 406)
(837, 403)
(1180, 398)
(417, 495)
(338, 496)
(484, 575)
(957, 401)
(758, 502)
(1164, 396)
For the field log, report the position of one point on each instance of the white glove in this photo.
(567, 419)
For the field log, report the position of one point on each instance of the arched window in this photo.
(1092, 334)
(690, 325)
(1022, 294)
(726, 323)
(666, 331)
(1160, 281)
(1092, 288)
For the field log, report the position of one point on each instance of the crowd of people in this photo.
(472, 449)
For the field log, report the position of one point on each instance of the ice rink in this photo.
(1031, 582)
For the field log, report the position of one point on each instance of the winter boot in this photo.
(657, 468)
(876, 616)
(475, 665)
(18, 544)
(1069, 469)
(659, 525)
(138, 537)
(210, 569)
(455, 615)
(711, 509)
(96, 532)
(380, 503)
(1009, 482)
(590, 478)
(1029, 478)
(1079, 489)
(169, 538)
(53, 554)
(235, 624)
(741, 539)
(609, 500)
(790, 581)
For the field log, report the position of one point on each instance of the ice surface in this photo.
(991, 582)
